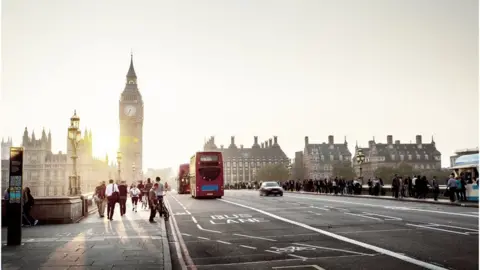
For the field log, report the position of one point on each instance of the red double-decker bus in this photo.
(206, 175)
(183, 181)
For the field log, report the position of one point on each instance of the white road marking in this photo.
(352, 214)
(187, 212)
(248, 247)
(271, 251)
(435, 229)
(223, 242)
(388, 207)
(316, 207)
(203, 238)
(345, 239)
(207, 230)
(311, 212)
(194, 220)
(186, 234)
(375, 231)
(296, 256)
(298, 266)
(255, 237)
(454, 227)
(388, 217)
(335, 249)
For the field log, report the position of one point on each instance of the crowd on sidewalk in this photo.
(149, 195)
(416, 187)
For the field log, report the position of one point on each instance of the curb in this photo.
(392, 199)
(167, 257)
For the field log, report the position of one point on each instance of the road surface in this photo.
(300, 231)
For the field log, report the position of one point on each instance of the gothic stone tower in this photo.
(131, 127)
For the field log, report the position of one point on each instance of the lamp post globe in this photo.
(360, 160)
(75, 120)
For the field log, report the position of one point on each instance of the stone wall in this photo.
(58, 210)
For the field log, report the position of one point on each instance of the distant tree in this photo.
(343, 170)
(387, 173)
(272, 172)
(440, 174)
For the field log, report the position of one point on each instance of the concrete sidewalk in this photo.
(407, 199)
(128, 242)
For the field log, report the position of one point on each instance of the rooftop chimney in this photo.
(241, 146)
(418, 139)
(266, 144)
(232, 140)
(255, 139)
(389, 139)
(330, 139)
(371, 143)
(269, 142)
(397, 141)
(262, 145)
(275, 140)
(306, 140)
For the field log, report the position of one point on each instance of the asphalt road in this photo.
(299, 231)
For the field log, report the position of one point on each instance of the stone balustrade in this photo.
(58, 209)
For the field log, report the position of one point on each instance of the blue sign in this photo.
(210, 188)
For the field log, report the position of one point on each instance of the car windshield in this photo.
(271, 184)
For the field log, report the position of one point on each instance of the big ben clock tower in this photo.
(131, 128)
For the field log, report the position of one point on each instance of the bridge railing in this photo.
(58, 209)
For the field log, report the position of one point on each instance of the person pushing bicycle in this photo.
(159, 192)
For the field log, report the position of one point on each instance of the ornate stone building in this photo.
(241, 163)
(420, 155)
(131, 127)
(319, 159)
(46, 173)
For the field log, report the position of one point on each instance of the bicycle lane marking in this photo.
(194, 220)
(344, 239)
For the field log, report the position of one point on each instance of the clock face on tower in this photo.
(130, 110)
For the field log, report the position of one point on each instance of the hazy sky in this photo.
(355, 68)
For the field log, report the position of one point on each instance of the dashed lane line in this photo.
(255, 237)
(245, 246)
(194, 220)
(186, 234)
(317, 214)
(387, 252)
(334, 249)
(223, 242)
(431, 227)
(364, 216)
(203, 238)
(298, 257)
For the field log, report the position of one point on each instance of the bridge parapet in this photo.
(58, 209)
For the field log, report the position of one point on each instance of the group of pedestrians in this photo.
(149, 194)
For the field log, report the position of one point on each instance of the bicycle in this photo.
(162, 208)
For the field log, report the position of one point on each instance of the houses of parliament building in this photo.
(242, 163)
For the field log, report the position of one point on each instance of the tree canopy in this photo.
(343, 170)
(272, 172)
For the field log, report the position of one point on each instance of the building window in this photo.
(401, 157)
(322, 157)
(418, 156)
(393, 157)
(409, 157)
(426, 157)
(428, 166)
(331, 157)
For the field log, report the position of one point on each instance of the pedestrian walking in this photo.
(112, 194)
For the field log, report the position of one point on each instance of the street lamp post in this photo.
(360, 160)
(74, 136)
(119, 165)
(133, 171)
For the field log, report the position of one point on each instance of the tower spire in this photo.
(131, 71)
